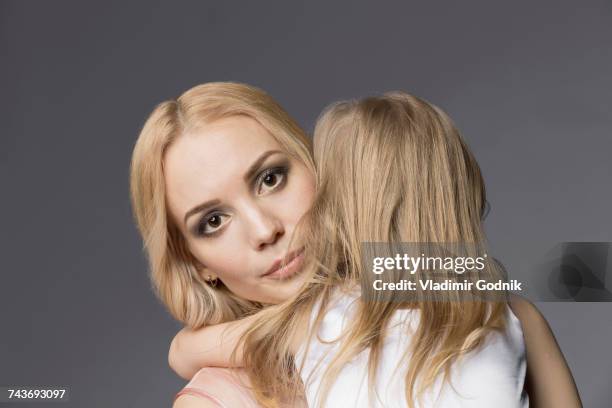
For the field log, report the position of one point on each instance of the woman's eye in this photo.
(271, 179)
(211, 224)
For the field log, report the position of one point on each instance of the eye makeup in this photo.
(276, 173)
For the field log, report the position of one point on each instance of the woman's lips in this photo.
(292, 264)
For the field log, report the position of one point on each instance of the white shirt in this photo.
(491, 376)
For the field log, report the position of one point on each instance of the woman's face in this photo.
(237, 197)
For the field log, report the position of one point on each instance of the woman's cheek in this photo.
(227, 264)
(222, 257)
(300, 196)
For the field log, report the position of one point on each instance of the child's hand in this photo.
(210, 346)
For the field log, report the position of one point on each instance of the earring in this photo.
(212, 282)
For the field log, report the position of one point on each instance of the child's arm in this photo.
(210, 346)
(549, 379)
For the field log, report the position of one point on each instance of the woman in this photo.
(219, 179)
(394, 169)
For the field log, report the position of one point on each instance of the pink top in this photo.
(226, 387)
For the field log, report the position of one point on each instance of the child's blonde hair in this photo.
(390, 169)
(173, 269)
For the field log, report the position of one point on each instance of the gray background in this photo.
(528, 83)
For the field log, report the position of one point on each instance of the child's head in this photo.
(392, 168)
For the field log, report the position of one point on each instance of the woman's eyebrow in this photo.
(257, 164)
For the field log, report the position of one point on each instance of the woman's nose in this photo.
(265, 228)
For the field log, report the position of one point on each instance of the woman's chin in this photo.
(279, 290)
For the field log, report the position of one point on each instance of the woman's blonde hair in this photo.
(389, 169)
(172, 267)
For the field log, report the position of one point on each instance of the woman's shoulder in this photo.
(550, 379)
(530, 317)
(217, 387)
(192, 401)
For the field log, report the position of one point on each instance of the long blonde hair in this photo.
(390, 169)
(172, 267)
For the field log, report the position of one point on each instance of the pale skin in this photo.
(190, 401)
(227, 392)
(212, 347)
(248, 194)
(236, 197)
(549, 379)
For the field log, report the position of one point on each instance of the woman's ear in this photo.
(209, 276)
(203, 271)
